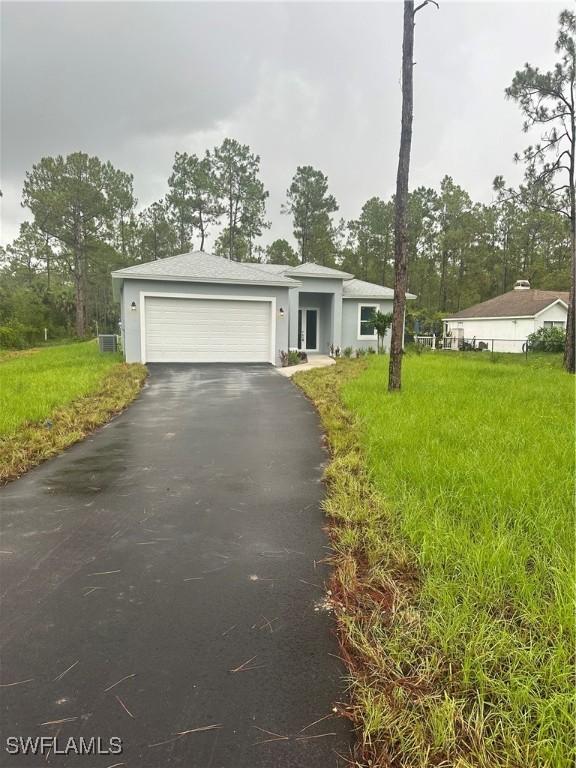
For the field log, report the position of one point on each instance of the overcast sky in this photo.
(301, 83)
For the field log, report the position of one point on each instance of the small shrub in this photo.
(347, 351)
(10, 338)
(418, 348)
(361, 352)
(292, 357)
(371, 351)
(548, 340)
(17, 336)
(382, 322)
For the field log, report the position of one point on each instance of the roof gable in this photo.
(360, 289)
(524, 303)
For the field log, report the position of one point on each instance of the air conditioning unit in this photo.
(108, 342)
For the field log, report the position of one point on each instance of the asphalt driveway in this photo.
(164, 576)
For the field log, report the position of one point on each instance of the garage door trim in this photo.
(207, 296)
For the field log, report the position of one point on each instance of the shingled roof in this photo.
(199, 266)
(360, 289)
(515, 303)
(311, 269)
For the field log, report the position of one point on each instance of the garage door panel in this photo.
(207, 330)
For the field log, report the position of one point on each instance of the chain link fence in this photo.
(473, 344)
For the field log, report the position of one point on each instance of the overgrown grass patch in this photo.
(452, 522)
(52, 397)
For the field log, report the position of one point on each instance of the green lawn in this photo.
(51, 397)
(467, 530)
(35, 382)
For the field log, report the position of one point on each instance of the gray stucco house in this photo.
(201, 308)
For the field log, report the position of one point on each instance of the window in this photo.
(366, 314)
(554, 324)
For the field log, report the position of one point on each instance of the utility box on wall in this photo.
(108, 342)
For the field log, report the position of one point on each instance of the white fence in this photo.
(426, 341)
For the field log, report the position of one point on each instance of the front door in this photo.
(308, 330)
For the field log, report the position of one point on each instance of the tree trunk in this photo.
(401, 217)
(460, 281)
(155, 240)
(79, 281)
(569, 349)
(230, 219)
(505, 258)
(443, 268)
(305, 231)
(122, 236)
(183, 246)
(569, 356)
(48, 264)
(202, 228)
(80, 298)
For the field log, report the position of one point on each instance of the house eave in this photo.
(379, 297)
(317, 276)
(509, 317)
(498, 317)
(119, 275)
(552, 304)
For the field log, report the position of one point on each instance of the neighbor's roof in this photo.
(310, 269)
(519, 303)
(360, 289)
(199, 266)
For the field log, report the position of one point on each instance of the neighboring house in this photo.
(196, 307)
(507, 319)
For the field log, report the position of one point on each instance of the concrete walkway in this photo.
(314, 361)
(162, 583)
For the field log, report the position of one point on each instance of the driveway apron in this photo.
(162, 582)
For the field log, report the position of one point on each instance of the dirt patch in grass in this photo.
(10, 354)
(33, 443)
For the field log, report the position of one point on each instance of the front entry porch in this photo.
(312, 331)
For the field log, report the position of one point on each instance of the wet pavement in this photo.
(161, 583)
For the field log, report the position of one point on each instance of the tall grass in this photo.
(35, 382)
(472, 469)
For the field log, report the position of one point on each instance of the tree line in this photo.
(56, 273)
(547, 100)
(85, 222)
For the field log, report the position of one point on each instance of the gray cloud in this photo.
(301, 83)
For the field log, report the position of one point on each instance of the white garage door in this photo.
(204, 330)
